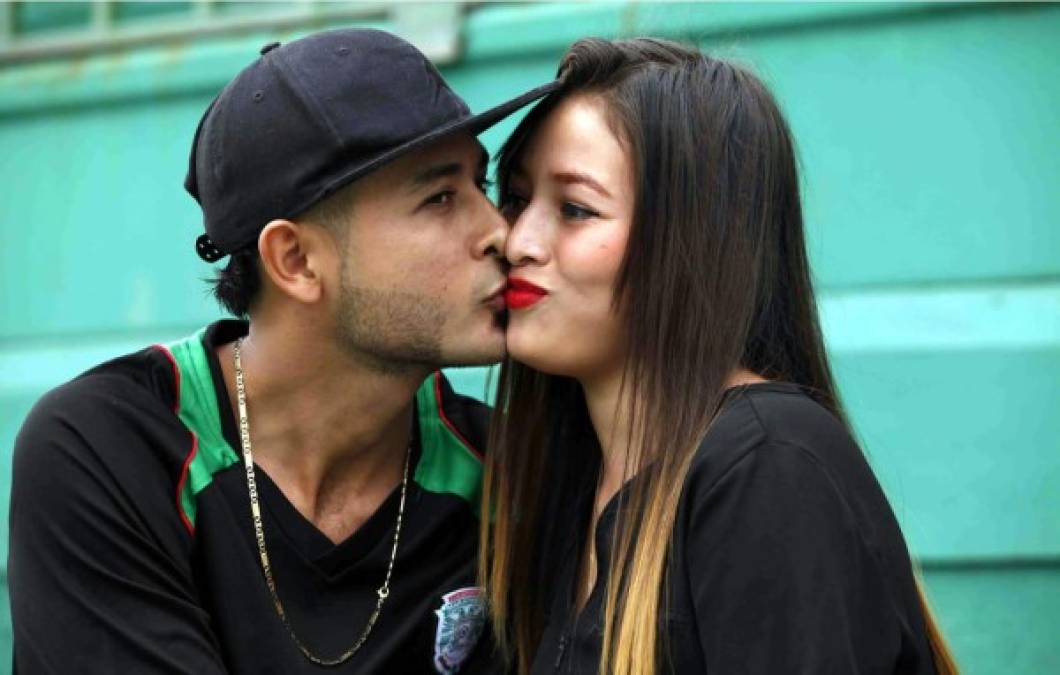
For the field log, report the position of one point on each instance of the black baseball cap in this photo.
(311, 116)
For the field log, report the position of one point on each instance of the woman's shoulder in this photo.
(775, 444)
(766, 420)
(781, 517)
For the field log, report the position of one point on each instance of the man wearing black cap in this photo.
(299, 490)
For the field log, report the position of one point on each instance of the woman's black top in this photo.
(786, 556)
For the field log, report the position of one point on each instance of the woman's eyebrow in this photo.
(572, 177)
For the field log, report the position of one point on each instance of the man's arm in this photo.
(96, 586)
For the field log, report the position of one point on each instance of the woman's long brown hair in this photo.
(715, 277)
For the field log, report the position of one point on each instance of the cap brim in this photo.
(476, 124)
(473, 124)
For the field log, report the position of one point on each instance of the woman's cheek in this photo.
(594, 254)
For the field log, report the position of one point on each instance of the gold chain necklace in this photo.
(259, 533)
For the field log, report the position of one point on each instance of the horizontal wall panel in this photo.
(943, 318)
(156, 73)
(999, 618)
(966, 443)
(922, 145)
(507, 31)
(99, 233)
(36, 17)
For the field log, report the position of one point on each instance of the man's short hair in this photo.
(237, 285)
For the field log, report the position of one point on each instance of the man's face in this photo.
(421, 278)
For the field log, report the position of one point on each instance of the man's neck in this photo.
(333, 435)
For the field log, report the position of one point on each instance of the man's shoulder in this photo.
(113, 388)
(101, 415)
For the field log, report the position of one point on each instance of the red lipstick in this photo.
(521, 294)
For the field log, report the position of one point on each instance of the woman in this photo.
(674, 485)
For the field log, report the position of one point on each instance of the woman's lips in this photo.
(521, 294)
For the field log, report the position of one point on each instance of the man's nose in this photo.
(494, 231)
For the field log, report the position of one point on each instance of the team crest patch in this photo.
(461, 619)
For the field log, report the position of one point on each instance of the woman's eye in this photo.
(576, 212)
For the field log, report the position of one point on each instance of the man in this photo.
(300, 490)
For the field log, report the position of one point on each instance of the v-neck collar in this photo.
(331, 559)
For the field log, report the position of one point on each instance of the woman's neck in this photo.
(611, 413)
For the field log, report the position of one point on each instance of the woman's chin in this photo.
(524, 353)
(528, 348)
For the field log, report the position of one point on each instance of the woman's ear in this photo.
(293, 257)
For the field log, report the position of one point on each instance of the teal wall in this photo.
(929, 143)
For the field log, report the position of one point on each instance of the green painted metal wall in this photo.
(929, 143)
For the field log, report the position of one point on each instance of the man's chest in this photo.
(429, 621)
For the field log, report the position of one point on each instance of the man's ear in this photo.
(293, 256)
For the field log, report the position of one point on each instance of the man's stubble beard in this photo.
(392, 332)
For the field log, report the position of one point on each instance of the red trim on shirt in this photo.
(194, 440)
(445, 420)
(184, 479)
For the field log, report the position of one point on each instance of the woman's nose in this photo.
(527, 240)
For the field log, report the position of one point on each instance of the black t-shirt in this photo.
(786, 556)
(132, 547)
